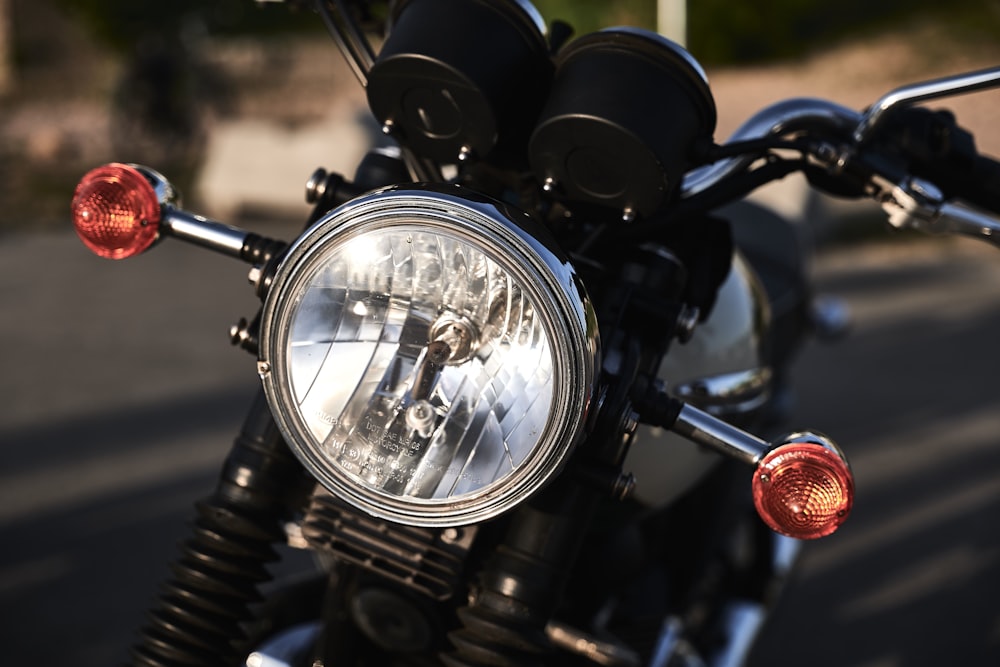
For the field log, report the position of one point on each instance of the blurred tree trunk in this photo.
(6, 48)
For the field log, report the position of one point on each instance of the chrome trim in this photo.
(533, 15)
(741, 623)
(189, 227)
(545, 268)
(957, 219)
(201, 231)
(811, 437)
(704, 429)
(598, 651)
(728, 394)
(786, 554)
(166, 193)
(285, 648)
(967, 82)
(667, 642)
(779, 118)
(920, 205)
(830, 317)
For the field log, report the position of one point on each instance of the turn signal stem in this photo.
(700, 427)
(218, 236)
(802, 485)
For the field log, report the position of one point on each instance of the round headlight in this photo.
(427, 358)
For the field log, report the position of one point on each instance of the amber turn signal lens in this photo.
(803, 489)
(116, 212)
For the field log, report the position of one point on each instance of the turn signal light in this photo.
(116, 211)
(803, 488)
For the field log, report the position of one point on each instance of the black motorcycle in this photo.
(511, 369)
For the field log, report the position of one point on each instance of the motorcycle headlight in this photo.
(427, 357)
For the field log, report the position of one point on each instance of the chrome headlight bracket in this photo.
(428, 356)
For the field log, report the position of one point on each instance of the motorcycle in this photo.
(536, 291)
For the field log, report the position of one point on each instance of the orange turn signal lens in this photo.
(803, 489)
(116, 212)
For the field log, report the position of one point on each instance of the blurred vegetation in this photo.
(120, 23)
(145, 62)
(732, 32)
(586, 16)
(719, 31)
(723, 31)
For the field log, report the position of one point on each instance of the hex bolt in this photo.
(316, 186)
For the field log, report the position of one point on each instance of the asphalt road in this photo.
(121, 395)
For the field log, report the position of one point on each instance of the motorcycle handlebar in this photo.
(921, 92)
(836, 130)
(983, 185)
(778, 119)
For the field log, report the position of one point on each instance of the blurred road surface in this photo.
(121, 396)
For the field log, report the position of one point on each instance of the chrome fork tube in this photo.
(742, 622)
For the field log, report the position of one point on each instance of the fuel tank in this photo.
(720, 369)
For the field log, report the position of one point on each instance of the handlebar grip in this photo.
(982, 188)
(930, 144)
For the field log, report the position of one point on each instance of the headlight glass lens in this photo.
(368, 313)
(425, 359)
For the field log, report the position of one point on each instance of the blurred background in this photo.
(235, 101)
(121, 394)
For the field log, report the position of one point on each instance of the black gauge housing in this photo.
(626, 109)
(456, 78)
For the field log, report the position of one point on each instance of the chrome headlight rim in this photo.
(505, 235)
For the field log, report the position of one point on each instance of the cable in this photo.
(350, 39)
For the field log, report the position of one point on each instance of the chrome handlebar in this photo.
(909, 202)
(778, 119)
(921, 92)
(919, 205)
